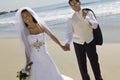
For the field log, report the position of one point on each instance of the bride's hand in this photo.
(28, 66)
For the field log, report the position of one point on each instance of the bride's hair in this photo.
(34, 20)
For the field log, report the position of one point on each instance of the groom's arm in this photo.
(69, 35)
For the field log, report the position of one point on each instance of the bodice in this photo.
(36, 41)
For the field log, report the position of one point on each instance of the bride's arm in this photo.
(52, 36)
(27, 58)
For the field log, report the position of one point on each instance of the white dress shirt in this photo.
(79, 29)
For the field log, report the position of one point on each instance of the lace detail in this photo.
(36, 41)
(37, 44)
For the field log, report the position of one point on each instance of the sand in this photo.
(12, 60)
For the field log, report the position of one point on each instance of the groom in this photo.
(79, 29)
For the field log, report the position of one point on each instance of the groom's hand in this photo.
(84, 13)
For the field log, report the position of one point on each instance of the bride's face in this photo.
(26, 16)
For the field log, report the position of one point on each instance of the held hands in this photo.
(66, 47)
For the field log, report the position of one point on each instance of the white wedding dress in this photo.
(43, 67)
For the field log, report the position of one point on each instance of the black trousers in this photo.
(87, 50)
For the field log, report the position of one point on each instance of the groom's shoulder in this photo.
(71, 16)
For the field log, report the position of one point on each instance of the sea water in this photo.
(56, 16)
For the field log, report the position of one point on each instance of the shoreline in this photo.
(109, 26)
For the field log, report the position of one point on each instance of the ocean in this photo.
(55, 16)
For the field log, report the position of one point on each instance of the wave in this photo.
(55, 15)
(108, 8)
(61, 6)
(100, 9)
(9, 20)
(62, 11)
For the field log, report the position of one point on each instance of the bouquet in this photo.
(24, 73)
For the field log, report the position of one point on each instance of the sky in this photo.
(7, 5)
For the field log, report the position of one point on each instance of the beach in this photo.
(12, 60)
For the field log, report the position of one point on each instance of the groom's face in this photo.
(75, 5)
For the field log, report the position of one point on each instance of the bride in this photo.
(32, 33)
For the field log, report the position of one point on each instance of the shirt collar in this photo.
(79, 12)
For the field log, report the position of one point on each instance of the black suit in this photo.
(87, 50)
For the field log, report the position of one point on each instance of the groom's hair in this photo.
(72, 0)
